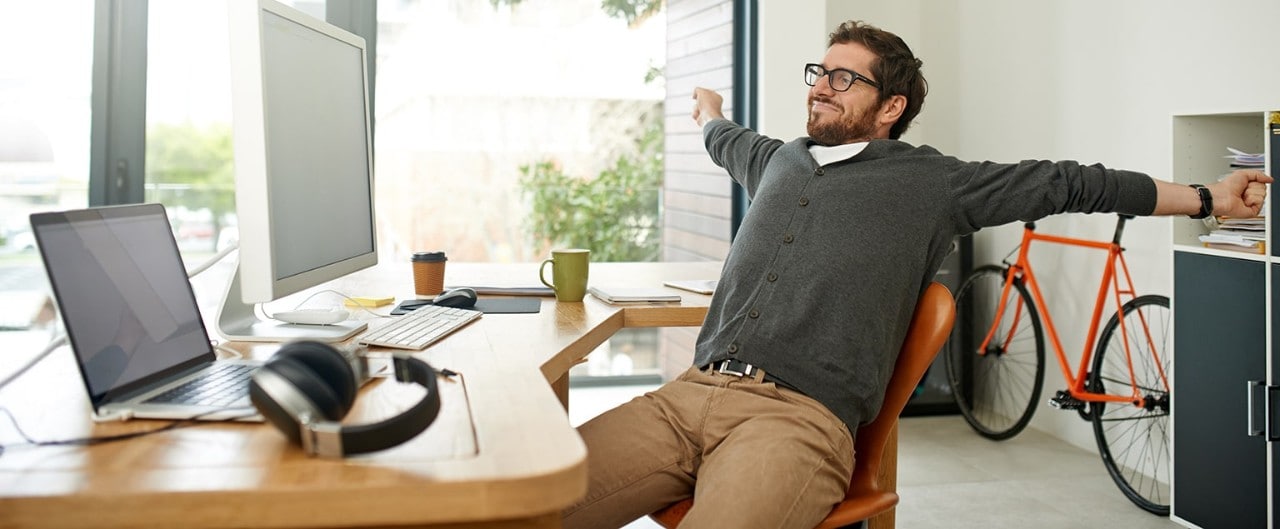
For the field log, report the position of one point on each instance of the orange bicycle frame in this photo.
(1110, 283)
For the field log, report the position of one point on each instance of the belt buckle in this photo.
(724, 369)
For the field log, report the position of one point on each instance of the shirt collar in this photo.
(828, 155)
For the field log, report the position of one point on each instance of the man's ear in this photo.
(892, 109)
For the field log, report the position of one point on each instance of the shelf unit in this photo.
(1199, 145)
(1225, 374)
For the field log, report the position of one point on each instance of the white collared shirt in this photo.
(838, 153)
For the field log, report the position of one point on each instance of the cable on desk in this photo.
(88, 441)
(216, 257)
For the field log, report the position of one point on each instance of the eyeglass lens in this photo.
(840, 80)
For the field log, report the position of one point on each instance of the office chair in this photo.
(930, 327)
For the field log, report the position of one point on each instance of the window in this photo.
(477, 97)
(45, 86)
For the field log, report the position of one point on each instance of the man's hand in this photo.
(1240, 194)
(706, 106)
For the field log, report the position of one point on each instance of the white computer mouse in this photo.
(312, 316)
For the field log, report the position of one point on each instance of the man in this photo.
(845, 230)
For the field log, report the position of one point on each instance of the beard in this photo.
(833, 130)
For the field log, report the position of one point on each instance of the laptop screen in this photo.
(123, 292)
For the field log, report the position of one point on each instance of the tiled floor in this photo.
(950, 477)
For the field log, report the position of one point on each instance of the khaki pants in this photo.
(761, 456)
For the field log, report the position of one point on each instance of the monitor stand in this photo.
(238, 322)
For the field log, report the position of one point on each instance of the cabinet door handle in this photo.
(1250, 386)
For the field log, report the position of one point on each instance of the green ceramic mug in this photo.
(568, 273)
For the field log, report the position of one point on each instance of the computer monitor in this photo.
(303, 163)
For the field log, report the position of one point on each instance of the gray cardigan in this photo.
(823, 277)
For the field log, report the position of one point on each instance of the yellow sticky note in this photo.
(368, 302)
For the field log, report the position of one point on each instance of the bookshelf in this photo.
(1200, 143)
(1225, 470)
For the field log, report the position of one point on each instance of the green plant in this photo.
(615, 215)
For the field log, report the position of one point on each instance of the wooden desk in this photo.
(501, 454)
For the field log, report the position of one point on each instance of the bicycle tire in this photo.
(1134, 441)
(996, 392)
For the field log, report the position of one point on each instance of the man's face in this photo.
(837, 118)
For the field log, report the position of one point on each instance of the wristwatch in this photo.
(1206, 201)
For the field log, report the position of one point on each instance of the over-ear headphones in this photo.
(307, 387)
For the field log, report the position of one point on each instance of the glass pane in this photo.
(46, 69)
(189, 163)
(507, 127)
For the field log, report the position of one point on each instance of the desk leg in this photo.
(561, 387)
(888, 479)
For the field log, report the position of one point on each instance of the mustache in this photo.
(825, 101)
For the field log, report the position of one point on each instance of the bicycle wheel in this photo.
(996, 391)
(1134, 440)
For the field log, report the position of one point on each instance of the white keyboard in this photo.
(419, 328)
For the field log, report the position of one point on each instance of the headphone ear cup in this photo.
(273, 412)
(328, 364)
(310, 386)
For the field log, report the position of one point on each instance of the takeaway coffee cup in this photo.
(568, 273)
(428, 273)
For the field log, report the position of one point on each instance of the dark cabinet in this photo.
(1220, 348)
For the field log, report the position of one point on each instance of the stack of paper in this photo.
(1243, 159)
(1241, 235)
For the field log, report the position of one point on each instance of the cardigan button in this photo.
(819, 172)
(804, 201)
(753, 314)
(733, 348)
(772, 277)
(788, 239)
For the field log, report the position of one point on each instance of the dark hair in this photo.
(896, 68)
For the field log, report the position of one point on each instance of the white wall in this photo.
(1090, 80)
(791, 35)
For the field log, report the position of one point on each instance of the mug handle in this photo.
(542, 271)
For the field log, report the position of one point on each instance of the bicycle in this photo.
(1124, 392)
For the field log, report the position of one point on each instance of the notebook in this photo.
(619, 295)
(132, 319)
(700, 286)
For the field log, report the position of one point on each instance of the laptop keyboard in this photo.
(223, 385)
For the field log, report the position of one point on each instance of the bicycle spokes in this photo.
(995, 358)
(1133, 437)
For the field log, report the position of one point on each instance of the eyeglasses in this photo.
(840, 79)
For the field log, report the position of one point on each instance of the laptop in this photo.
(132, 319)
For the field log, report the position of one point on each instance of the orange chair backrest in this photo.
(930, 327)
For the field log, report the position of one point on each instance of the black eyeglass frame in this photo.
(829, 74)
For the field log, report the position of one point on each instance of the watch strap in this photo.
(1206, 201)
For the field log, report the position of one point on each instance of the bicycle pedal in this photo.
(1063, 400)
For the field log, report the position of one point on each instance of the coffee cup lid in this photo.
(429, 257)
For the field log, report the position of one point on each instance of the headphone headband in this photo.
(363, 438)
